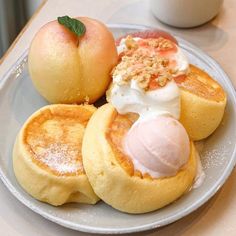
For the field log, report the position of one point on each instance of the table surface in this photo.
(217, 216)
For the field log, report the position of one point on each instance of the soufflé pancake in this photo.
(47, 157)
(112, 174)
(203, 103)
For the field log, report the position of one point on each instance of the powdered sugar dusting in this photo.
(215, 157)
(60, 157)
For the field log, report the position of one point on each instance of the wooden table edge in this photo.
(22, 31)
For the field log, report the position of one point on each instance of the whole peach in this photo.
(66, 68)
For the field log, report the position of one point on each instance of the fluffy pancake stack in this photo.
(75, 153)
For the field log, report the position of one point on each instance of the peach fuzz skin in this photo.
(66, 68)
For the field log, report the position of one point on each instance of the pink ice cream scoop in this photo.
(158, 146)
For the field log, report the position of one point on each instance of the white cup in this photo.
(185, 13)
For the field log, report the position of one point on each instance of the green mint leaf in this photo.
(72, 24)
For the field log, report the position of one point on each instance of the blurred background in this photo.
(14, 14)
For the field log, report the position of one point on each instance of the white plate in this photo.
(18, 100)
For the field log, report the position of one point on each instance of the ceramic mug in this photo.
(185, 13)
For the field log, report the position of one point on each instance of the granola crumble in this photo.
(143, 64)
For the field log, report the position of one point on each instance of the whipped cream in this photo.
(182, 64)
(130, 98)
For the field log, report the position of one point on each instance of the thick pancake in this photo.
(47, 155)
(203, 103)
(112, 174)
(202, 85)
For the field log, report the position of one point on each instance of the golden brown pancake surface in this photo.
(116, 132)
(47, 159)
(119, 126)
(201, 84)
(54, 138)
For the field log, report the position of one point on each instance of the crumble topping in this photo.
(141, 62)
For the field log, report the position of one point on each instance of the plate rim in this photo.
(204, 198)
